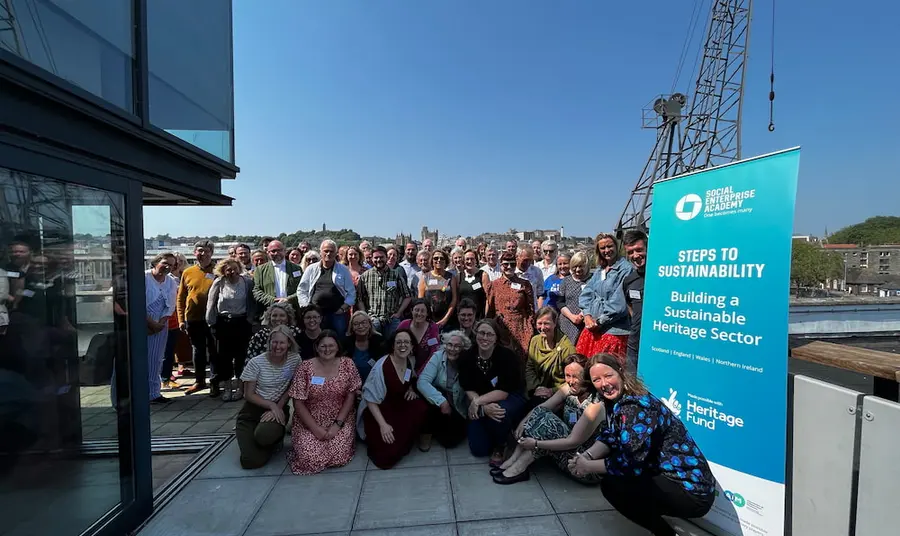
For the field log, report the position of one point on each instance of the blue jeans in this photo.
(386, 326)
(337, 322)
(486, 434)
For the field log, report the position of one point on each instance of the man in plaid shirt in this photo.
(383, 294)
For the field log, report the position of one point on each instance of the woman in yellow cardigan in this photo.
(547, 351)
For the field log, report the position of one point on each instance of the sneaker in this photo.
(160, 400)
(170, 385)
(227, 391)
(238, 390)
(425, 442)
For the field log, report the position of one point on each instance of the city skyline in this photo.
(456, 104)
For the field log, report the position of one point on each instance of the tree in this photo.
(812, 266)
(875, 230)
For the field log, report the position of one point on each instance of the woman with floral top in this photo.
(651, 465)
(278, 314)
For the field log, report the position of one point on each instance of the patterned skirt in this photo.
(591, 344)
(544, 425)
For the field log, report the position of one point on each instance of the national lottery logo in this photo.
(688, 207)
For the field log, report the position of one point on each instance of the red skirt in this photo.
(590, 344)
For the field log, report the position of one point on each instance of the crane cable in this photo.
(772, 76)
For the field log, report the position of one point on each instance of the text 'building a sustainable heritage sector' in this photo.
(105, 107)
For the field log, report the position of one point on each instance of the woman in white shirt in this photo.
(160, 290)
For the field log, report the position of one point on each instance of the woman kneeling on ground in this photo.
(324, 394)
(261, 422)
(391, 414)
(543, 433)
(439, 384)
(651, 465)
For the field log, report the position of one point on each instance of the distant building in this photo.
(879, 259)
(426, 234)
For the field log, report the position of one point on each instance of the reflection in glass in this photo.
(62, 260)
(191, 82)
(88, 43)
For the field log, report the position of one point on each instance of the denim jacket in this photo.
(604, 299)
(435, 375)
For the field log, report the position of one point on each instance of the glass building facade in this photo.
(105, 107)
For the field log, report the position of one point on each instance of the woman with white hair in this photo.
(310, 257)
(571, 319)
(439, 384)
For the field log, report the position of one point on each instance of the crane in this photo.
(709, 134)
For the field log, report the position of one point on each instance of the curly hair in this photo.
(284, 306)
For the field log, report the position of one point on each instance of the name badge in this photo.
(391, 284)
(210, 276)
(338, 277)
(317, 380)
(12, 275)
(573, 418)
(432, 342)
(371, 362)
(476, 286)
(296, 273)
(634, 294)
(407, 375)
(28, 293)
(494, 381)
(554, 288)
(516, 286)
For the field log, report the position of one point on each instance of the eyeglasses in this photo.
(486, 334)
(508, 263)
(549, 251)
(402, 343)
(453, 346)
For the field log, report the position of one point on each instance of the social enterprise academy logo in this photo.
(688, 207)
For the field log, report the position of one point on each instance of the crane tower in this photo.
(709, 134)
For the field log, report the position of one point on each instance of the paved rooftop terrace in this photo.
(438, 493)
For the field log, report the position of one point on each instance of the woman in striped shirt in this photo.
(261, 422)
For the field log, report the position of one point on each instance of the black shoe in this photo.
(521, 477)
(160, 400)
(496, 471)
(214, 391)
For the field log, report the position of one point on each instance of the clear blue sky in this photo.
(383, 116)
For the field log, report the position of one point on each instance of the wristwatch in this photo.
(339, 422)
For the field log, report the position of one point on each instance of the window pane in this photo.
(189, 59)
(62, 335)
(88, 43)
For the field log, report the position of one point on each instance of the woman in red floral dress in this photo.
(324, 394)
(510, 302)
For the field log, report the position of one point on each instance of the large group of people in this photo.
(399, 348)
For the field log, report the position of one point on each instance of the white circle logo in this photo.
(688, 207)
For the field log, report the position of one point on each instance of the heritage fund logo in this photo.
(688, 207)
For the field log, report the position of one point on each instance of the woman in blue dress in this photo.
(651, 466)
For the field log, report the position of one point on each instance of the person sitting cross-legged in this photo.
(261, 422)
(543, 433)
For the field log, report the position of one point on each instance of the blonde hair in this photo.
(293, 347)
(284, 306)
(360, 314)
(579, 259)
(220, 267)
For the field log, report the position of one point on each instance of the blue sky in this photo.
(386, 115)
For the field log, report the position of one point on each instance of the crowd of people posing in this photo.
(520, 360)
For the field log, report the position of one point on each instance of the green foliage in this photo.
(342, 237)
(812, 265)
(875, 230)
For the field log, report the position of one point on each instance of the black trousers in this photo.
(644, 500)
(234, 335)
(202, 341)
(447, 430)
